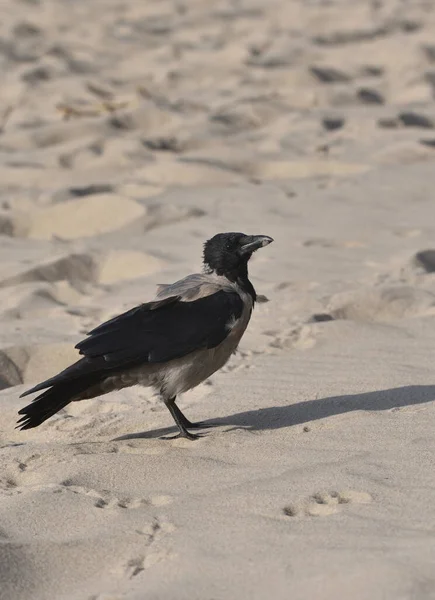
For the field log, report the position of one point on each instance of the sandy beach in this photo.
(131, 132)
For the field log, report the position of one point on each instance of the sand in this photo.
(130, 133)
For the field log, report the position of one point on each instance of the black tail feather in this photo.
(76, 371)
(45, 406)
(52, 401)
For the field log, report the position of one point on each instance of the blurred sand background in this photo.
(130, 132)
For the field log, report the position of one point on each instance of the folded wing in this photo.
(160, 331)
(155, 332)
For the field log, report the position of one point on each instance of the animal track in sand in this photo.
(8, 486)
(12, 482)
(302, 337)
(24, 464)
(153, 532)
(136, 565)
(105, 499)
(322, 504)
(236, 366)
(155, 529)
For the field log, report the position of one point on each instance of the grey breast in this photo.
(183, 374)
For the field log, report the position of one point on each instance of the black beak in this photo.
(251, 243)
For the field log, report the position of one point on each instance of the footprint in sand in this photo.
(8, 486)
(136, 565)
(104, 498)
(322, 504)
(302, 337)
(153, 533)
(119, 503)
(14, 480)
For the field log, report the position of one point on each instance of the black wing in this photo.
(155, 332)
(160, 331)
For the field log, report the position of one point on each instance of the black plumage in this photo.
(161, 331)
(198, 320)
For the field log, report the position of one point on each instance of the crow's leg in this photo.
(180, 420)
(188, 424)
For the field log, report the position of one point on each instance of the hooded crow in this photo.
(171, 344)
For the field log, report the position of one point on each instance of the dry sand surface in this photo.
(130, 133)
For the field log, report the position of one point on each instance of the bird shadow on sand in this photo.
(278, 417)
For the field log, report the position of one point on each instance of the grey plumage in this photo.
(171, 344)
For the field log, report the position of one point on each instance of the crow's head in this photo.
(228, 253)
